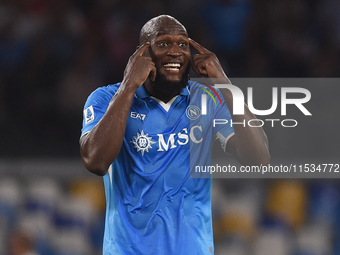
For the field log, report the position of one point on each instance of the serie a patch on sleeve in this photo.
(89, 114)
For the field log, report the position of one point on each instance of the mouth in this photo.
(173, 67)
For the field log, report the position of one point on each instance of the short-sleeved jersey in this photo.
(154, 207)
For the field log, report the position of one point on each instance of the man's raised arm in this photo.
(249, 145)
(102, 144)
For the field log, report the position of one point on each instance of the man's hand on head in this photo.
(205, 63)
(139, 67)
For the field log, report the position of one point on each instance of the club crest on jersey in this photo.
(142, 142)
(89, 114)
(193, 112)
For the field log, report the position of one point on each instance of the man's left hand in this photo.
(206, 64)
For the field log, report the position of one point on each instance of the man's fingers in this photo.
(141, 49)
(198, 47)
(153, 73)
(199, 65)
(200, 70)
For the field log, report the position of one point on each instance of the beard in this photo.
(164, 87)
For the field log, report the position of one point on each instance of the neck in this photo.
(160, 92)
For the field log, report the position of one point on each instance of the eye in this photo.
(182, 44)
(163, 44)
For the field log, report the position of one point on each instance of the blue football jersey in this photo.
(153, 205)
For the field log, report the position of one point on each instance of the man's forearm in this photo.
(249, 144)
(102, 144)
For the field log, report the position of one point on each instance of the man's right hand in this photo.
(101, 146)
(139, 67)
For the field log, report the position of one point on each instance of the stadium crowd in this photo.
(54, 53)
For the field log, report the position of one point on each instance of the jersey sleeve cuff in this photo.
(224, 140)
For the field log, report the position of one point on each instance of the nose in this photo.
(175, 51)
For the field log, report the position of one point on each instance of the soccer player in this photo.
(138, 134)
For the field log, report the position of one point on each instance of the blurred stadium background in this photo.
(53, 53)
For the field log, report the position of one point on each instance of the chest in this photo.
(152, 129)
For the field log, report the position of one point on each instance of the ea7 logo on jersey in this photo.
(136, 115)
(89, 114)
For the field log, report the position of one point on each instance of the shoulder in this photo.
(195, 85)
(104, 93)
(197, 89)
(108, 90)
